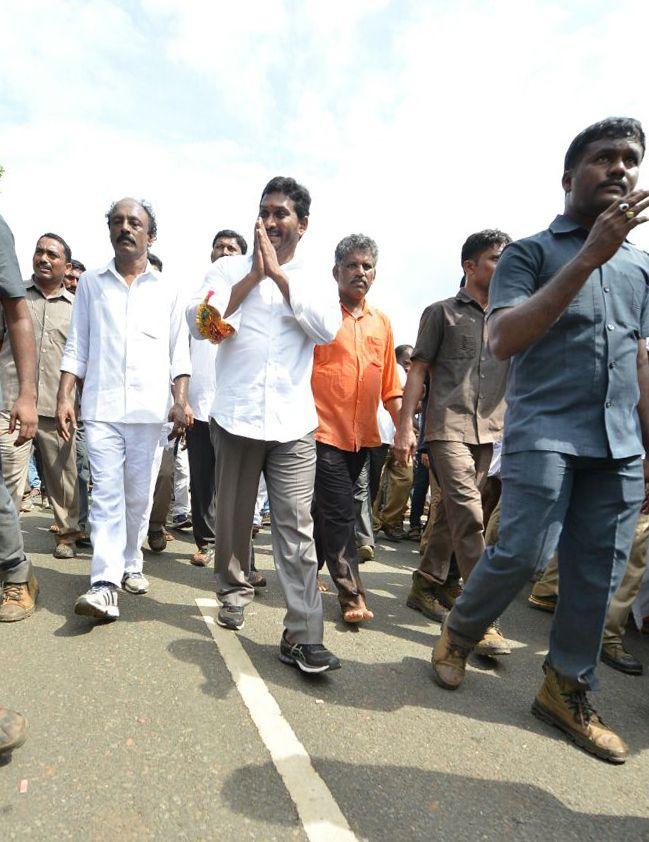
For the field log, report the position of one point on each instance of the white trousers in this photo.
(124, 462)
(182, 501)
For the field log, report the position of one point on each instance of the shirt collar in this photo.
(367, 310)
(464, 297)
(563, 224)
(110, 267)
(62, 293)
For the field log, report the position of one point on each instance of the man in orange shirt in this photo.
(350, 376)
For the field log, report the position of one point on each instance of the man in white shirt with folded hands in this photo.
(127, 341)
(267, 314)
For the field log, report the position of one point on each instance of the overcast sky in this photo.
(414, 122)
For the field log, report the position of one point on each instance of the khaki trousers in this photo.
(59, 464)
(392, 500)
(162, 493)
(622, 600)
(461, 471)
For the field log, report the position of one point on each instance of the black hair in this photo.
(66, 248)
(232, 235)
(153, 224)
(297, 193)
(401, 349)
(476, 243)
(614, 128)
(77, 264)
(155, 261)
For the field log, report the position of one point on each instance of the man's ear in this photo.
(302, 225)
(566, 181)
(68, 266)
(334, 272)
(468, 267)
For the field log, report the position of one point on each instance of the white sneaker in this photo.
(135, 583)
(99, 602)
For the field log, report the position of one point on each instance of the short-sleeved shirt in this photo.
(575, 390)
(11, 283)
(467, 384)
(51, 319)
(351, 375)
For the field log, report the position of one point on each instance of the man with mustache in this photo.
(351, 375)
(267, 312)
(464, 416)
(570, 308)
(73, 274)
(50, 306)
(127, 342)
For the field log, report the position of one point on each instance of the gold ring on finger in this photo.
(629, 214)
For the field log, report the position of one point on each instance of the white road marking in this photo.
(319, 813)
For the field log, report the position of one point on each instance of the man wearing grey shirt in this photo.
(570, 307)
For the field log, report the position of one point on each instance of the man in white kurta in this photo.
(127, 343)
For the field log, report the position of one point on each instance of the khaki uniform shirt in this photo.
(51, 320)
(467, 384)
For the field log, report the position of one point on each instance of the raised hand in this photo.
(613, 225)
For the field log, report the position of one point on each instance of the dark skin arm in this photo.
(66, 417)
(21, 335)
(181, 412)
(405, 440)
(513, 329)
(643, 413)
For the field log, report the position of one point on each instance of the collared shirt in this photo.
(202, 385)
(51, 319)
(11, 282)
(467, 384)
(127, 344)
(263, 371)
(350, 376)
(575, 390)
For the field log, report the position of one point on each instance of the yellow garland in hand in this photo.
(209, 323)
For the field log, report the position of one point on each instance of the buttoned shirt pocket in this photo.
(375, 349)
(460, 340)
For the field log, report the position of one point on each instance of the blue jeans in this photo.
(14, 566)
(584, 508)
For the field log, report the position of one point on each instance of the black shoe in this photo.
(257, 579)
(309, 657)
(616, 656)
(157, 541)
(230, 617)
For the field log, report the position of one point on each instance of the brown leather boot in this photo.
(423, 597)
(566, 706)
(18, 600)
(13, 730)
(493, 643)
(449, 661)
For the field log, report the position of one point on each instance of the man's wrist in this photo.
(27, 393)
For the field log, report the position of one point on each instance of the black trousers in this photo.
(419, 489)
(201, 478)
(334, 517)
(377, 457)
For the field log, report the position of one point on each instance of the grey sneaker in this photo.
(64, 551)
(135, 583)
(99, 602)
(230, 617)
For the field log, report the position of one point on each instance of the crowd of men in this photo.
(273, 378)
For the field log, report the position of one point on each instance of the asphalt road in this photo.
(138, 731)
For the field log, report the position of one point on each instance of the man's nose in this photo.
(617, 166)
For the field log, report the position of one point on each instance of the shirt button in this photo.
(609, 326)
(611, 365)
(482, 376)
(608, 404)
(607, 289)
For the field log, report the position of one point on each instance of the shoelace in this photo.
(11, 592)
(580, 705)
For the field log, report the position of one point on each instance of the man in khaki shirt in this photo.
(464, 416)
(50, 306)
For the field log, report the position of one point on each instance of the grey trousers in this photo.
(14, 566)
(587, 509)
(289, 470)
(363, 508)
